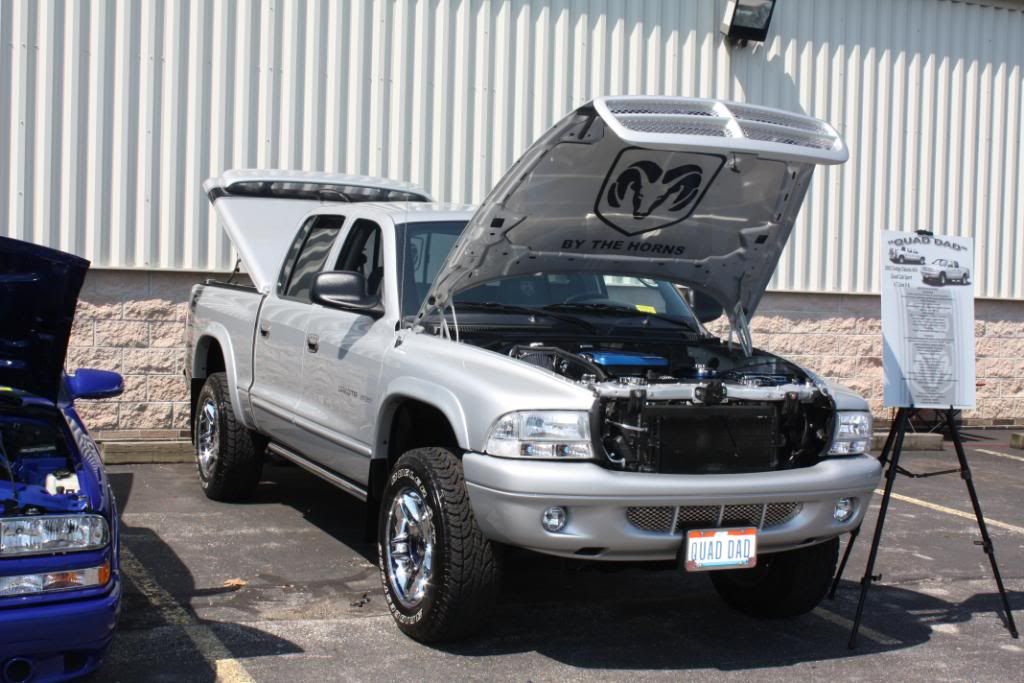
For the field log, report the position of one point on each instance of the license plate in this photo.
(709, 549)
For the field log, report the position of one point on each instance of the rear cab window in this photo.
(307, 256)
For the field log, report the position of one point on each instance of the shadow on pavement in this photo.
(158, 622)
(666, 620)
(331, 510)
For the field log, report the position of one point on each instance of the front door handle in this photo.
(264, 329)
(312, 343)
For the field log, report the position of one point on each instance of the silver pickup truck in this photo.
(536, 372)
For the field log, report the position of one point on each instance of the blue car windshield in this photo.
(423, 247)
(26, 438)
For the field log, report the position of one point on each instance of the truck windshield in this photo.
(423, 247)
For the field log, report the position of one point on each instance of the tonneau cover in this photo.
(261, 209)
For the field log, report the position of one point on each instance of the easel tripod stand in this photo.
(890, 456)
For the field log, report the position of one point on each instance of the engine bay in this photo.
(37, 473)
(689, 407)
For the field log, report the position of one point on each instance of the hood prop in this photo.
(740, 327)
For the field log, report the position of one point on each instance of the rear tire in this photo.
(229, 456)
(426, 521)
(781, 585)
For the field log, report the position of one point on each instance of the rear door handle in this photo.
(313, 343)
(264, 329)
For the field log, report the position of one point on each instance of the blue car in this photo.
(60, 584)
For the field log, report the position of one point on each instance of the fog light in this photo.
(554, 519)
(845, 507)
(55, 581)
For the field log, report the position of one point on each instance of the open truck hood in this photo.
(38, 293)
(699, 192)
(261, 209)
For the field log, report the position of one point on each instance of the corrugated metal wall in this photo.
(112, 113)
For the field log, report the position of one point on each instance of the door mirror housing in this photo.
(87, 383)
(345, 290)
(705, 308)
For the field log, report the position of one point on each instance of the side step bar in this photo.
(322, 472)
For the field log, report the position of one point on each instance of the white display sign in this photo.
(927, 320)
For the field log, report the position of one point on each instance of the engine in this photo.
(695, 409)
(592, 364)
(37, 474)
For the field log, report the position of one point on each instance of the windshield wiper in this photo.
(524, 310)
(617, 310)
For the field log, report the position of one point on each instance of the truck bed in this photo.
(232, 309)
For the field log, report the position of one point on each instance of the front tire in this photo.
(440, 574)
(781, 585)
(942, 279)
(229, 456)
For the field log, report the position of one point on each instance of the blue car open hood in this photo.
(38, 292)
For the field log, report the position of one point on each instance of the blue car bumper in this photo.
(60, 641)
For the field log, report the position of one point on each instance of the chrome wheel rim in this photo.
(207, 437)
(409, 547)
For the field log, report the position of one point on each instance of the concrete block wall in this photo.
(134, 321)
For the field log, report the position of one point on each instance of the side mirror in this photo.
(345, 290)
(88, 383)
(705, 308)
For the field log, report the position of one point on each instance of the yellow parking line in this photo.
(227, 668)
(955, 513)
(865, 631)
(1001, 455)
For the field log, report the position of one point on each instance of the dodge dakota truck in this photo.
(536, 372)
(942, 271)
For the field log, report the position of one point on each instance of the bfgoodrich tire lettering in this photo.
(464, 576)
(229, 457)
(783, 584)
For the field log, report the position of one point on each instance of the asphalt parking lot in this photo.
(285, 588)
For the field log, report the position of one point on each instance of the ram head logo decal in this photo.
(647, 187)
(647, 190)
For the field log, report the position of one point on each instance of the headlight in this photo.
(52, 534)
(852, 435)
(55, 581)
(544, 434)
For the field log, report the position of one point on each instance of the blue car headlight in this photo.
(44, 534)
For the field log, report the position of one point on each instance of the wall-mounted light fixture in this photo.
(747, 20)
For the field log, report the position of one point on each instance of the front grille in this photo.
(780, 513)
(659, 519)
(742, 515)
(651, 518)
(691, 516)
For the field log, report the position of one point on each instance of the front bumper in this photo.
(509, 497)
(63, 640)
